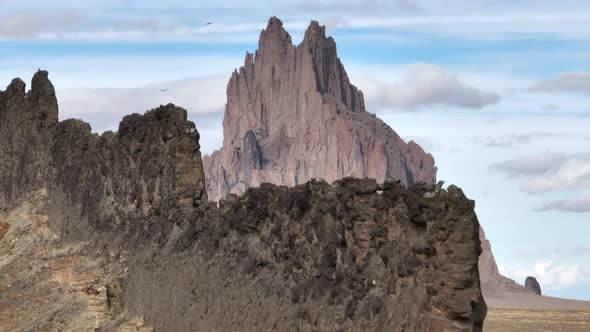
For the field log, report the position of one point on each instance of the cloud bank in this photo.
(573, 173)
(551, 276)
(513, 140)
(203, 98)
(551, 172)
(565, 82)
(426, 85)
(530, 165)
(33, 25)
(577, 204)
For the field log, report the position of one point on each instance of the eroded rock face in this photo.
(352, 256)
(27, 126)
(122, 223)
(153, 163)
(532, 285)
(292, 115)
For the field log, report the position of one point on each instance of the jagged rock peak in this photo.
(17, 85)
(274, 37)
(152, 162)
(292, 114)
(41, 81)
(41, 101)
(315, 32)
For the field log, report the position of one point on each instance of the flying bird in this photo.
(209, 23)
(163, 90)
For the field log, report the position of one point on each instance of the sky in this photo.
(498, 92)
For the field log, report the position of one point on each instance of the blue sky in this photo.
(497, 91)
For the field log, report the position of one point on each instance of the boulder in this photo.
(532, 285)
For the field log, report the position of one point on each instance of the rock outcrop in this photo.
(352, 256)
(113, 180)
(292, 115)
(115, 232)
(532, 285)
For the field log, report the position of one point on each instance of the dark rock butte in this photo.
(293, 115)
(532, 285)
(354, 255)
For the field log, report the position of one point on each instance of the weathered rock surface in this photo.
(117, 226)
(153, 163)
(532, 285)
(292, 115)
(354, 256)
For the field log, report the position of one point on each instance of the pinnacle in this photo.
(41, 81)
(17, 85)
(315, 31)
(274, 36)
(274, 21)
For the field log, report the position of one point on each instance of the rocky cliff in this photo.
(492, 282)
(292, 115)
(114, 232)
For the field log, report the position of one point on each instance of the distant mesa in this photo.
(532, 285)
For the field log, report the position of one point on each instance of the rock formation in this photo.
(153, 163)
(492, 282)
(292, 115)
(532, 285)
(114, 232)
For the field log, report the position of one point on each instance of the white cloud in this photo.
(530, 165)
(574, 173)
(425, 85)
(34, 24)
(103, 108)
(549, 275)
(558, 253)
(513, 140)
(475, 20)
(565, 82)
(356, 5)
(579, 204)
(553, 172)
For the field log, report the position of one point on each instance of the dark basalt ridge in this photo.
(353, 255)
